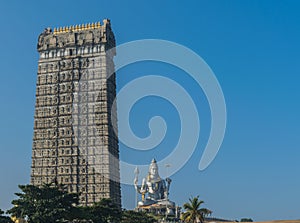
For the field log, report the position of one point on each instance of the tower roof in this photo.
(76, 35)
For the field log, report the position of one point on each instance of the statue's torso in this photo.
(156, 188)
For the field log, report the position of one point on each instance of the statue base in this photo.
(159, 207)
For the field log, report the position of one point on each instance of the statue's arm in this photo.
(141, 189)
(168, 180)
(137, 188)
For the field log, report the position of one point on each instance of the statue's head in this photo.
(153, 169)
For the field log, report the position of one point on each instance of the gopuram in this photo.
(155, 193)
(74, 142)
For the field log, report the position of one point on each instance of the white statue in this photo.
(153, 185)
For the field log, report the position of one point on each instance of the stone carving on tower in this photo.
(74, 141)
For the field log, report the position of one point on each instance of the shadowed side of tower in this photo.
(74, 141)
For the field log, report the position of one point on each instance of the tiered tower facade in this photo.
(74, 140)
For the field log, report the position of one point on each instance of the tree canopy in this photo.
(246, 220)
(101, 212)
(46, 204)
(136, 217)
(4, 219)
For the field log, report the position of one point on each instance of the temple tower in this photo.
(74, 141)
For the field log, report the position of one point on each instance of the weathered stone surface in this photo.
(74, 142)
(76, 36)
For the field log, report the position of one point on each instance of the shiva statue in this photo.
(157, 188)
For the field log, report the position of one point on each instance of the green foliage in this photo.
(4, 219)
(53, 204)
(46, 204)
(136, 217)
(101, 212)
(106, 211)
(193, 213)
(246, 220)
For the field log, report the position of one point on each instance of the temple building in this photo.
(75, 140)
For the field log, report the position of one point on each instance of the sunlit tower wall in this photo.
(74, 141)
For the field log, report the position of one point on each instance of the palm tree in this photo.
(194, 213)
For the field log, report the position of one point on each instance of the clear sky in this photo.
(253, 48)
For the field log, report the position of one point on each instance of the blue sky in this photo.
(253, 48)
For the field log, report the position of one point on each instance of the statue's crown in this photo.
(153, 164)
